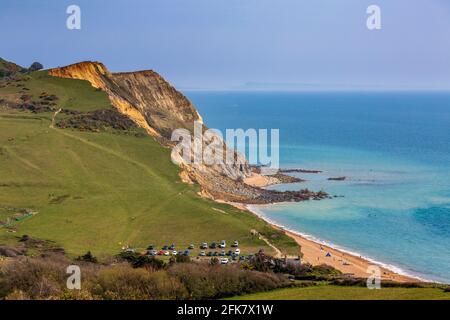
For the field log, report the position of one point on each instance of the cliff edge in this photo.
(153, 104)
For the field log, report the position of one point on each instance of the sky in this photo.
(242, 44)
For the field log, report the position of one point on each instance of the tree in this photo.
(35, 66)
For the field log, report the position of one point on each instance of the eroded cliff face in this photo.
(144, 96)
(153, 104)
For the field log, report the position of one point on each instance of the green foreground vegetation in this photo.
(329, 292)
(102, 191)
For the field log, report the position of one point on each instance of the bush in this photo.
(35, 66)
(38, 278)
(125, 283)
(88, 257)
(204, 281)
(262, 262)
(307, 271)
(138, 261)
(182, 259)
(45, 278)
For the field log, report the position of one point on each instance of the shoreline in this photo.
(350, 263)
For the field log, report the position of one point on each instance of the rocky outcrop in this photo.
(337, 179)
(99, 77)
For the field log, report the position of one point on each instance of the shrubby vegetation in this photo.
(131, 276)
(134, 276)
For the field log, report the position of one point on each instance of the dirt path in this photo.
(278, 254)
(52, 125)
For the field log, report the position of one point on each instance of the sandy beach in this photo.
(260, 181)
(316, 254)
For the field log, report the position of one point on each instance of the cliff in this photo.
(153, 104)
(144, 96)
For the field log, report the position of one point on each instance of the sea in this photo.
(393, 208)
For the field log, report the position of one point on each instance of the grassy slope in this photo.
(73, 94)
(8, 67)
(111, 188)
(326, 292)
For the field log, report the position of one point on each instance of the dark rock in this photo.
(299, 171)
(337, 179)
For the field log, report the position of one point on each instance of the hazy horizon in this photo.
(252, 45)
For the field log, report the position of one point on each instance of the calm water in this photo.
(393, 147)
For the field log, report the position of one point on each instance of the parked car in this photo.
(160, 252)
(202, 254)
(213, 245)
(210, 254)
(151, 247)
(165, 248)
(222, 253)
(186, 253)
(224, 260)
(204, 245)
(174, 252)
(166, 253)
(237, 251)
(172, 247)
(191, 246)
(229, 253)
(234, 257)
(215, 254)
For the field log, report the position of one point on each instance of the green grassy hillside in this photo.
(8, 68)
(72, 94)
(100, 191)
(326, 292)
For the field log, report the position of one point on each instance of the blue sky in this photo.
(243, 44)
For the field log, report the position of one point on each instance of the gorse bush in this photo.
(45, 277)
(33, 278)
(88, 257)
(204, 281)
(138, 261)
(123, 282)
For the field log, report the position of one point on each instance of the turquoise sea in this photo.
(394, 149)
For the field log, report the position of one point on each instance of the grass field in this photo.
(100, 191)
(326, 292)
(73, 94)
